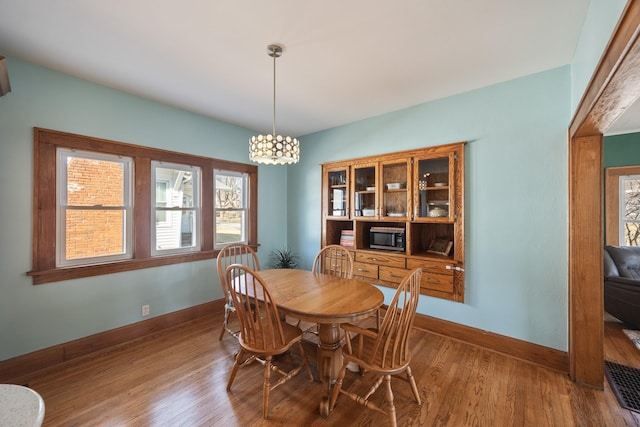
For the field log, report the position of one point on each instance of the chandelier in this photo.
(274, 149)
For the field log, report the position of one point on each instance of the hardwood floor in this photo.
(178, 377)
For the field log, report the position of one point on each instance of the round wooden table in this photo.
(327, 301)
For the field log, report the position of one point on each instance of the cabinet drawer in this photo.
(429, 266)
(363, 269)
(438, 282)
(392, 274)
(380, 259)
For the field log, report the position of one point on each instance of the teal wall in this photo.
(622, 150)
(598, 26)
(35, 317)
(516, 197)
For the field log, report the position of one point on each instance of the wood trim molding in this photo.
(529, 352)
(586, 302)
(18, 369)
(615, 84)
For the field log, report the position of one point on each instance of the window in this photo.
(622, 206)
(175, 208)
(103, 207)
(629, 210)
(94, 208)
(230, 207)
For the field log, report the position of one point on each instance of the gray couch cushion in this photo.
(626, 259)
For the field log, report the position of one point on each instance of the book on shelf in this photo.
(346, 238)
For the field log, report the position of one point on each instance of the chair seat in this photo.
(291, 333)
(363, 357)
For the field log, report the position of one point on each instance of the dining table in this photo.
(328, 301)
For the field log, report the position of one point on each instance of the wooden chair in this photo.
(262, 333)
(334, 260)
(235, 253)
(337, 261)
(384, 352)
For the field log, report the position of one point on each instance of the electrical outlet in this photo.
(145, 310)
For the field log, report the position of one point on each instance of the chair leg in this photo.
(414, 387)
(305, 360)
(225, 323)
(266, 387)
(389, 397)
(337, 387)
(234, 370)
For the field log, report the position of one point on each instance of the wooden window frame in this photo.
(46, 142)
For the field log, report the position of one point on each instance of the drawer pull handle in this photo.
(395, 276)
(362, 269)
(456, 268)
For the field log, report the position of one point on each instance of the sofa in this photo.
(622, 283)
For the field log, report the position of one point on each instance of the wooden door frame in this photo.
(614, 86)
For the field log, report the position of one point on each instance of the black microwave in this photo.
(389, 238)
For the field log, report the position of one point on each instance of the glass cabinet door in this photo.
(365, 190)
(337, 196)
(395, 177)
(434, 188)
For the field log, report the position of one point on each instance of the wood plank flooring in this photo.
(178, 377)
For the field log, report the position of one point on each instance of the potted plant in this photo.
(284, 258)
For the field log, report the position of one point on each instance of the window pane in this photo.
(178, 188)
(631, 218)
(230, 226)
(179, 234)
(84, 225)
(630, 212)
(92, 182)
(230, 191)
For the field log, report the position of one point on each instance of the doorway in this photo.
(614, 86)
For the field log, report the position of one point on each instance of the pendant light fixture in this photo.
(274, 149)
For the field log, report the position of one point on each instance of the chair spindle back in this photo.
(260, 325)
(334, 260)
(391, 348)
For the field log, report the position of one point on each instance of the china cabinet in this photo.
(415, 196)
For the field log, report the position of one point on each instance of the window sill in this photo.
(68, 273)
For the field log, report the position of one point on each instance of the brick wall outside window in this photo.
(94, 232)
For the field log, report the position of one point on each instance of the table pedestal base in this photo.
(329, 361)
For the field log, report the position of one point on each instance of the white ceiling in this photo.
(344, 60)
